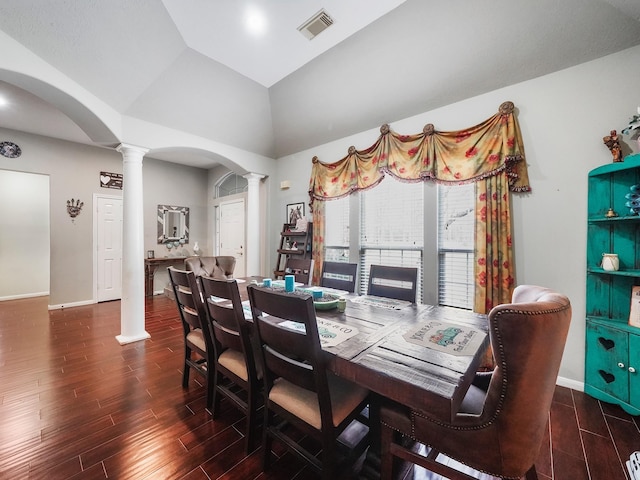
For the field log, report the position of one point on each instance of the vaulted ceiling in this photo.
(191, 65)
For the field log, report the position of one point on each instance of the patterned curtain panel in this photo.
(490, 153)
(317, 244)
(490, 148)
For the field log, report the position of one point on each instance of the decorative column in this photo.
(133, 298)
(253, 223)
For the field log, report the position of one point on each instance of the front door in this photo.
(231, 234)
(109, 248)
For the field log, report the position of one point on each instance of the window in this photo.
(456, 233)
(336, 237)
(231, 185)
(391, 228)
(409, 225)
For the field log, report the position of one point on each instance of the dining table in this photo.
(402, 351)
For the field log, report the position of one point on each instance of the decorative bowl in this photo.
(327, 302)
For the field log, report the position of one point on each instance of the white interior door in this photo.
(231, 237)
(109, 248)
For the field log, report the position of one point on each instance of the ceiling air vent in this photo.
(316, 24)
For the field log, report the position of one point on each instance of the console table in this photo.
(150, 267)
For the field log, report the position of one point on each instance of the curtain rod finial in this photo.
(384, 129)
(429, 129)
(352, 150)
(506, 108)
(315, 159)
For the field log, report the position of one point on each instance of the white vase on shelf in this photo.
(196, 249)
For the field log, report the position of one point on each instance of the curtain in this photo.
(317, 245)
(490, 153)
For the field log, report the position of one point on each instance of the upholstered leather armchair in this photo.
(216, 267)
(501, 424)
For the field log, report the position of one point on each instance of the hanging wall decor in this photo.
(10, 150)
(74, 207)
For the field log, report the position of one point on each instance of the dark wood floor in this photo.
(76, 404)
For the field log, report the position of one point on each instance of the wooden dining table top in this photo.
(381, 360)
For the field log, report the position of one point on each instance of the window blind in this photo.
(391, 228)
(456, 230)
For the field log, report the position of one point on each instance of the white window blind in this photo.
(456, 236)
(391, 228)
(336, 237)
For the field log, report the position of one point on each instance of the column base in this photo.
(123, 340)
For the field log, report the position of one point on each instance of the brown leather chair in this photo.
(503, 417)
(215, 267)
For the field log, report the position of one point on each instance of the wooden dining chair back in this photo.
(503, 417)
(198, 344)
(339, 275)
(301, 268)
(298, 387)
(235, 375)
(399, 283)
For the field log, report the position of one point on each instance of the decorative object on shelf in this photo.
(633, 199)
(10, 150)
(151, 254)
(196, 249)
(74, 207)
(633, 128)
(611, 213)
(613, 143)
(634, 310)
(294, 212)
(610, 262)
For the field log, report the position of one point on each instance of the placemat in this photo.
(381, 302)
(446, 337)
(331, 333)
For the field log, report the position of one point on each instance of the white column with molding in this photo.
(132, 326)
(253, 223)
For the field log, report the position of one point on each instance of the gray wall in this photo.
(74, 171)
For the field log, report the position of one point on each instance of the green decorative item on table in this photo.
(326, 302)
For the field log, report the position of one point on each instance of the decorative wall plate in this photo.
(10, 150)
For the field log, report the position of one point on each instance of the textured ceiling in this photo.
(190, 65)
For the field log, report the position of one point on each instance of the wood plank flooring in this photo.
(74, 404)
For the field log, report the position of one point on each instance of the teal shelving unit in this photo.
(612, 363)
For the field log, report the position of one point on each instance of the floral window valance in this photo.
(487, 149)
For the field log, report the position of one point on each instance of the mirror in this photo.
(173, 224)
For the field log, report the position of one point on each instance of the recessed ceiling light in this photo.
(3, 102)
(256, 21)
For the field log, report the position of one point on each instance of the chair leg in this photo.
(185, 373)
(215, 394)
(386, 457)
(266, 440)
(211, 388)
(252, 420)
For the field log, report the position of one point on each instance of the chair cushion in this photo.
(233, 361)
(195, 337)
(303, 403)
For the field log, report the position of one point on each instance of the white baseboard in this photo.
(572, 384)
(24, 295)
(72, 304)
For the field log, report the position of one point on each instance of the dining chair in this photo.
(234, 367)
(221, 266)
(399, 283)
(503, 417)
(198, 344)
(299, 390)
(339, 275)
(302, 268)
